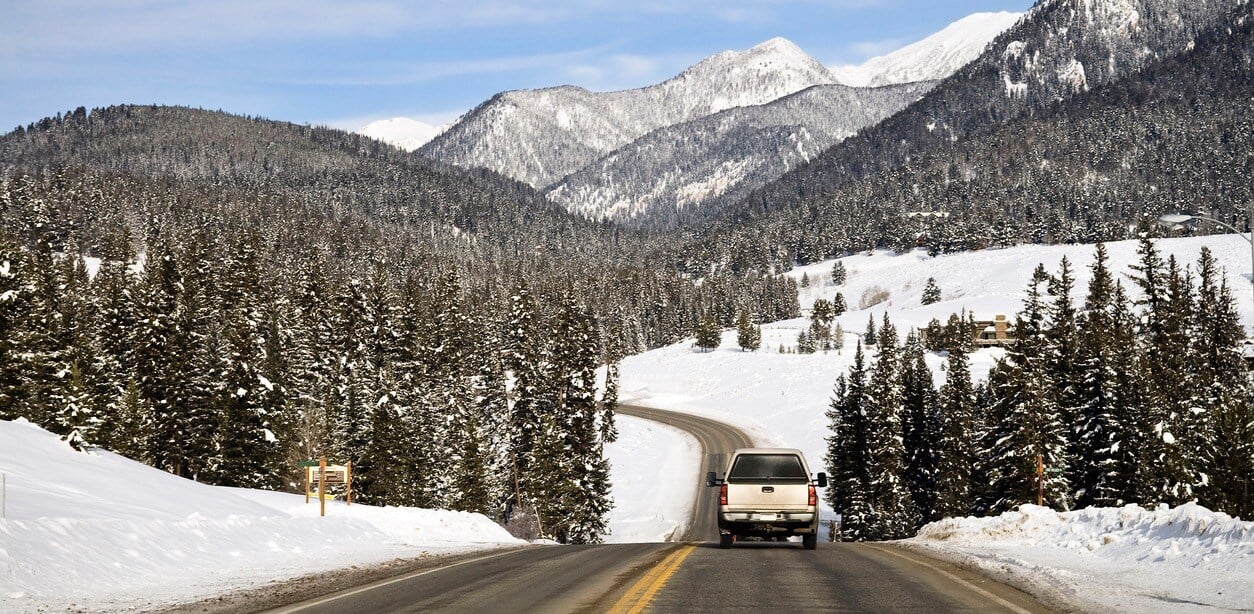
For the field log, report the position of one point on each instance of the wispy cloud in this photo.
(866, 49)
(410, 73)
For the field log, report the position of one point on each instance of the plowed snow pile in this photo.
(97, 531)
(1183, 559)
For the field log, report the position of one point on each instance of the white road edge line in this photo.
(361, 589)
(1006, 604)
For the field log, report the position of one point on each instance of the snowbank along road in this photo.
(691, 575)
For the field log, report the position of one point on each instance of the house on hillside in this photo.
(995, 332)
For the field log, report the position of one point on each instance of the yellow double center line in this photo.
(637, 598)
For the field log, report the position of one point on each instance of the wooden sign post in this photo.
(1040, 480)
(322, 486)
(327, 474)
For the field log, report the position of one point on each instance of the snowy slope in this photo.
(403, 132)
(540, 136)
(101, 531)
(934, 57)
(780, 399)
(721, 157)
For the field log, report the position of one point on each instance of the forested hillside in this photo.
(268, 292)
(1175, 136)
(1124, 401)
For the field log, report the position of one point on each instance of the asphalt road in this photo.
(692, 575)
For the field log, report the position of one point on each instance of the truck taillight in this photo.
(722, 495)
(814, 496)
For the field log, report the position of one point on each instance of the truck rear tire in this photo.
(810, 541)
(725, 540)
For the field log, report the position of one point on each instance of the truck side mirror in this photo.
(821, 479)
(710, 480)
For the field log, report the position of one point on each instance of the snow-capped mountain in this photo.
(934, 57)
(403, 132)
(540, 136)
(1058, 49)
(681, 169)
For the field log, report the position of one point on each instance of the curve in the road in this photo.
(717, 440)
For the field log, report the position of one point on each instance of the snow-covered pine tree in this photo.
(708, 334)
(1180, 429)
(821, 315)
(931, 292)
(247, 401)
(607, 423)
(1225, 450)
(920, 427)
(838, 273)
(116, 324)
(45, 343)
(1024, 420)
(14, 311)
(1061, 357)
(887, 492)
(576, 357)
(870, 337)
(1105, 435)
(955, 454)
(525, 359)
(748, 334)
(847, 457)
(839, 305)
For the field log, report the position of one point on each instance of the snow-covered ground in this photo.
(1129, 559)
(780, 399)
(653, 468)
(95, 530)
(98, 531)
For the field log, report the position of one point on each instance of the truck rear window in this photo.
(767, 467)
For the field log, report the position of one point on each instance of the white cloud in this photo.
(866, 49)
(408, 73)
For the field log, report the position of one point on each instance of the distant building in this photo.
(995, 332)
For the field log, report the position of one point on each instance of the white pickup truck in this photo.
(767, 493)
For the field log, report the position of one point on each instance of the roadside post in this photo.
(1040, 480)
(327, 474)
(322, 486)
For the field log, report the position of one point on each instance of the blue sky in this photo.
(346, 63)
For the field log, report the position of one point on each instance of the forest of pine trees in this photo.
(221, 316)
(1141, 402)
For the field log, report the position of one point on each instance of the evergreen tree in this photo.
(821, 315)
(848, 457)
(709, 336)
(1222, 406)
(1024, 419)
(931, 292)
(921, 428)
(748, 334)
(839, 306)
(838, 273)
(887, 491)
(1105, 435)
(805, 343)
(14, 310)
(955, 454)
(871, 337)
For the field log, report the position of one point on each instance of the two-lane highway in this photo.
(691, 576)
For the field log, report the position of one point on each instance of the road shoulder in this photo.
(287, 592)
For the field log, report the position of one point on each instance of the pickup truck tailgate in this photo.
(768, 496)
